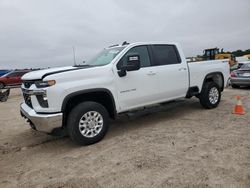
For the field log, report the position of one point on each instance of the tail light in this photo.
(233, 74)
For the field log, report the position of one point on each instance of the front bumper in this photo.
(41, 122)
(240, 81)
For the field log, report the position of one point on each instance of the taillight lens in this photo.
(233, 74)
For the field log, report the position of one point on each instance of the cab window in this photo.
(142, 51)
(165, 55)
(12, 74)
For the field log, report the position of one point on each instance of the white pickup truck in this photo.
(122, 78)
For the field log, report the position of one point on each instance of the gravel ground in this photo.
(175, 145)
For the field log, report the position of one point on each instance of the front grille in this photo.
(27, 100)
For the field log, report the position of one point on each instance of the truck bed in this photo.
(199, 69)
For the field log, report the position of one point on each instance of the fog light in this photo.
(42, 100)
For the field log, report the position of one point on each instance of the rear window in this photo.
(246, 66)
(166, 55)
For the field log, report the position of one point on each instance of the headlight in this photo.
(41, 84)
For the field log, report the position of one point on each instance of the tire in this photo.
(87, 123)
(4, 95)
(1, 85)
(210, 95)
(235, 86)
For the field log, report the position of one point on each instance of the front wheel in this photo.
(210, 95)
(1, 85)
(87, 123)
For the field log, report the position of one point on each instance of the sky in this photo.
(41, 33)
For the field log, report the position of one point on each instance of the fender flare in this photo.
(212, 74)
(87, 91)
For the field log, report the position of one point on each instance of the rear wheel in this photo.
(235, 86)
(87, 123)
(210, 95)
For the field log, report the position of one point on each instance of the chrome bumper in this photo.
(41, 122)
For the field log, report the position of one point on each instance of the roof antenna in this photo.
(74, 54)
(125, 43)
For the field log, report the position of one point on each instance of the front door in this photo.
(138, 88)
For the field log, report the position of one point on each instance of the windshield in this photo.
(105, 57)
(245, 66)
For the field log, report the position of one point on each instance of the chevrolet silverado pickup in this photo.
(120, 79)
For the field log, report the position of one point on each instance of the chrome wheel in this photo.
(91, 124)
(213, 95)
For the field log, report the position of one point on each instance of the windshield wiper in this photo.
(85, 65)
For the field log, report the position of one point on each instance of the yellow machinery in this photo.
(231, 57)
(214, 53)
(248, 56)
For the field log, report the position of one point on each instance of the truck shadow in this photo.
(133, 121)
(148, 117)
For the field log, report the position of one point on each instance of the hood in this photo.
(40, 74)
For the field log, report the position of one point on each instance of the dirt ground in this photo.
(175, 145)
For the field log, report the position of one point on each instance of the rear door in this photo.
(172, 72)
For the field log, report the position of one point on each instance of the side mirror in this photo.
(132, 64)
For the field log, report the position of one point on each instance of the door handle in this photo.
(151, 73)
(182, 69)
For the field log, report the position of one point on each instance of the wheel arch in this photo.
(216, 77)
(99, 95)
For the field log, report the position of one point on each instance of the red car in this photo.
(12, 78)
